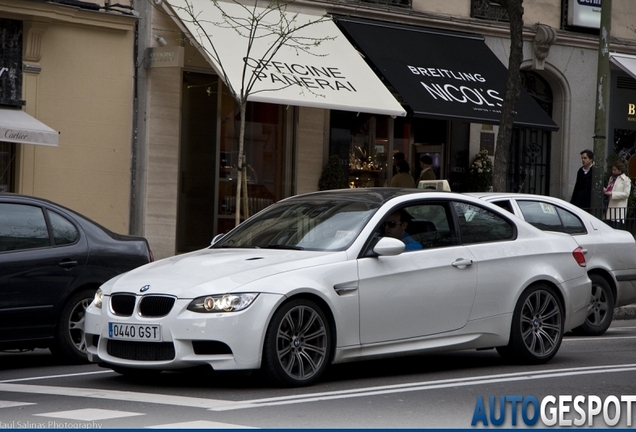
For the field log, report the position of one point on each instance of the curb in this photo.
(625, 312)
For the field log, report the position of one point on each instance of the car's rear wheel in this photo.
(601, 310)
(298, 343)
(70, 340)
(537, 327)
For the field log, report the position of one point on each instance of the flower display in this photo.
(481, 172)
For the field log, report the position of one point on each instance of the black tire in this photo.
(537, 327)
(601, 310)
(298, 344)
(69, 344)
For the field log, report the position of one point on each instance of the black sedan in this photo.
(52, 260)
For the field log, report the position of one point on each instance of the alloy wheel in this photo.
(541, 323)
(302, 343)
(76, 322)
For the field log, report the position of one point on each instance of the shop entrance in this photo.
(530, 152)
(208, 160)
(7, 167)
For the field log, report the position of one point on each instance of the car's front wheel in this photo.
(298, 343)
(601, 310)
(537, 327)
(70, 340)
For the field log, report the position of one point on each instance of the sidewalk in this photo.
(625, 312)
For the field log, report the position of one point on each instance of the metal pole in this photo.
(602, 105)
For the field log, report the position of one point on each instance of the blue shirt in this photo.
(410, 244)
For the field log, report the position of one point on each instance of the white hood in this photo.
(212, 271)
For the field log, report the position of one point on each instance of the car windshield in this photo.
(317, 225)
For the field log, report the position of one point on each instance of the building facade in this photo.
(69, 67)
(172, 175)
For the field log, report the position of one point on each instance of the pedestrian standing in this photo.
(582, 194)
(617, 191)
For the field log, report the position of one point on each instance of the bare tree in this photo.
(267, 27)
(513, 92)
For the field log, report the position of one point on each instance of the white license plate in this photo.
(134, 332)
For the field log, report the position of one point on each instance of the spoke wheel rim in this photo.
(541, 323)
(599, 306)
(301, 342)
(76, 325)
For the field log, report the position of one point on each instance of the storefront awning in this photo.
(329, 75)
(440, 74)
(19, 127)
(626, 62)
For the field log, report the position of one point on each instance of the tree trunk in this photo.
(239, 164)
(513, 91)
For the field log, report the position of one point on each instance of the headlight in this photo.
(222, 303)
(97, 301)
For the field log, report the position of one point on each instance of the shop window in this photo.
(265, 161)
(361, 141)
(7, 167)
(489, 10)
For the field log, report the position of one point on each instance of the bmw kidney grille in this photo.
(152, 306)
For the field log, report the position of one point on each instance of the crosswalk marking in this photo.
(164, 399)
(200, 424)
(89, 414)
(11, 404)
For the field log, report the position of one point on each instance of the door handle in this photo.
(461, 263)
(68, 264)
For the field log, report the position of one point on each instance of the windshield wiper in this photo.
(280, 246)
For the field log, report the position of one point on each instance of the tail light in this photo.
(151, 256)
(579, 256)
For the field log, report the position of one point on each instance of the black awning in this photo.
(441, 74)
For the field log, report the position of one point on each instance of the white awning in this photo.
(625, 62)
(19, 127)
(330, 75)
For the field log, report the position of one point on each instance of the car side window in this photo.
(480, 225)
(429, 225)
(542, 215)
(64, 232)
(22, 227)
(571, 222)
(504, 204)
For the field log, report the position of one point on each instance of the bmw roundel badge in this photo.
(144, 288)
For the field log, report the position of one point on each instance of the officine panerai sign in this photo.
(11, 62)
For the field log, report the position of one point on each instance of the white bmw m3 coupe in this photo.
(346, 275)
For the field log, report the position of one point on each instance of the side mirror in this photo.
(217, 238)
(388, 246)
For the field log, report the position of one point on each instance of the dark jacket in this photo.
(582, 194)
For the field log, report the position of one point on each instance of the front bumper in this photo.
(224, 341)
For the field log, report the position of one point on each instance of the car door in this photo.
(41, 255)
(421, 292)
(491, 240)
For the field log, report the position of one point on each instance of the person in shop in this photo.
(427, 173)
(617, 192)
(402, 179)
(582, 194)
(397, 156)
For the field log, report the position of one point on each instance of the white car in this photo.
(610, 253)
(316, 279)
